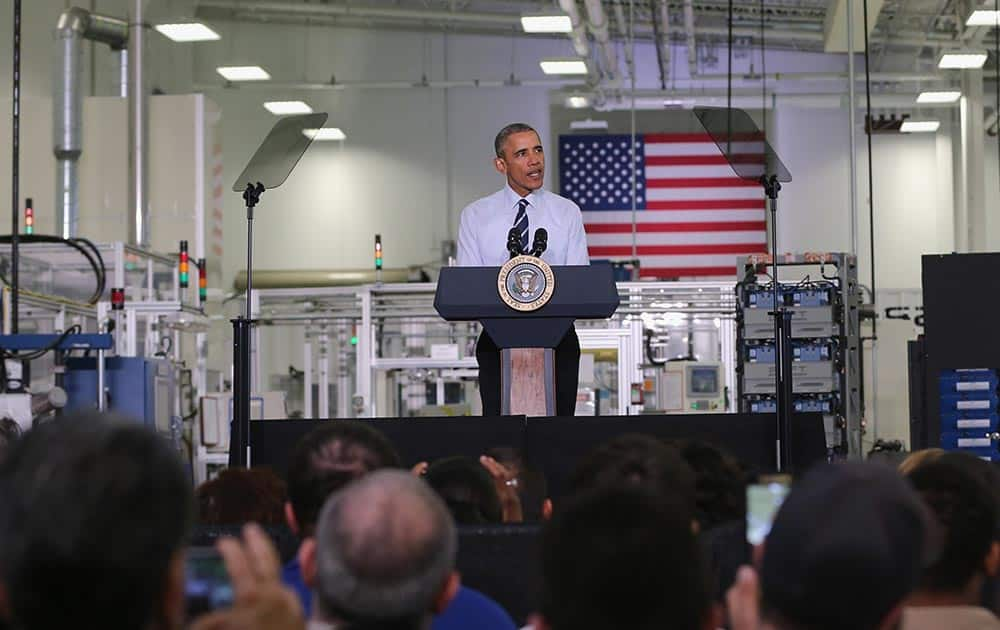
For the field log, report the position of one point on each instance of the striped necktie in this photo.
(521, 223)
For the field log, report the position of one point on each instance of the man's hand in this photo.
(506, 485)
(260, 601)
(743, 601)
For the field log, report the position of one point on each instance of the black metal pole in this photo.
(15, 192)
(782, 337)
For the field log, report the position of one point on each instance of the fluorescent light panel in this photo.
(577, 102)
(920, 126)
(939, 96)
(285, 108)
(588, 124)
(962, 59)
(187, 32)
(983, 17)
(243, 73)
(546, 23)
(326, 133)
(563, 66)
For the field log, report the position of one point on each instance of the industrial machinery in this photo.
(825, 341)
(685, 387)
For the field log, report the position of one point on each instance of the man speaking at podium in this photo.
(482, 242)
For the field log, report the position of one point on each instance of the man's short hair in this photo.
(385, 547)
(328, 458)
(720, 483)
(506, 132)
(622, 557)
(92, 512)
(853, 533)
(239, 495)
(637, 459)
(966, 512)
(467, 489)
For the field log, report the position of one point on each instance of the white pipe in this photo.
(579, 33)
(138, 132)
(307, 378)
(689, 36)
(664, 40)
(324, 375)
(74, 26)
(598, 23)
(852, 185)
(623, 34)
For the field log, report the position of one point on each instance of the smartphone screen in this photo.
(207, 582)
(763, 501)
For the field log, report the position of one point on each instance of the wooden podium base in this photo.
(527, 381)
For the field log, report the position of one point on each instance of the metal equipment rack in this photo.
(826, 342)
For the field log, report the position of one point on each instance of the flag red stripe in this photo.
(721, 226)
(707, 204)
(673, 250)
(681, 272)
(702, 160)
(701, 182)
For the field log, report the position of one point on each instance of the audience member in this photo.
(640, 460)
(326, 460)
(238, 496)
(720, 484)
(965, 510)
(93, 517)
(622, 557)
(917, 458)
(384, 555)
(466, 487)
(9, 432)
(322, 462)
(845, 550)
(527, 480)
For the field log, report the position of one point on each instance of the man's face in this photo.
(523, 162)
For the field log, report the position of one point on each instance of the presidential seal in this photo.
(526, 283)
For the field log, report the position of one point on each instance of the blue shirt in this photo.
(483, 228)
(472, 609)
(469, 609)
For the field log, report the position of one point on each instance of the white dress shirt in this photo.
(486, 222)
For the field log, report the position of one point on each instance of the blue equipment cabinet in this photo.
(969, 404)
(138, 387)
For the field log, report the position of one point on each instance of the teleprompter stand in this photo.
(269, 167)
(748, 153)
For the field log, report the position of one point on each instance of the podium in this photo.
(526, 338)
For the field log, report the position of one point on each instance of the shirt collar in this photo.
(511, 198)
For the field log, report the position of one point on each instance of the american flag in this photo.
(695, 216)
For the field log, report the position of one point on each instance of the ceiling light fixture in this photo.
(565, 65)
(577, 102)
(285, 108)
(243, 73)
(939, 96)
(962, 59)
(920, 126)
(589, 125)
(546, 23)
(187, 32)
(326, 133)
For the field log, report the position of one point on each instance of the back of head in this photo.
(918, 458)
(467, 489)
(92, 514)
(720, 484)
(640, 460)
(385, 547)
(964, 508)
(846, 533)
(238, 496)
(328, 458)
(622, 557)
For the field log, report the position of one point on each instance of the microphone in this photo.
(540, 243)
(514, 242)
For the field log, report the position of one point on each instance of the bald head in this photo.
(385, 549)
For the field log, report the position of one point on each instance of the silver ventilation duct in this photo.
(74, 26)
